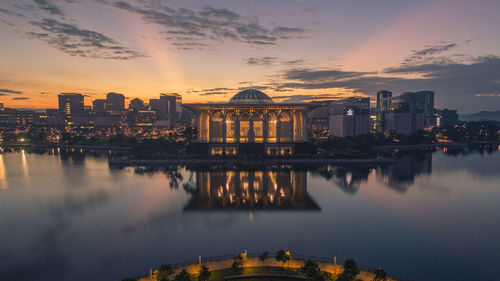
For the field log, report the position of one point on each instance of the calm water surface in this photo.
(431, 216)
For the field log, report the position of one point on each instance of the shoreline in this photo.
(234, 161)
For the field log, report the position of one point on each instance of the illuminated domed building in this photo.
(250, 116)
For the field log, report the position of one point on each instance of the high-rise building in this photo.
(71, 103)
(160, 107)
(350, 117)
(424, 101)
(115, 102)
(383, 99)
(403, 116)
(99, 105)
(383, 103)
(174, 107)
(137, 104)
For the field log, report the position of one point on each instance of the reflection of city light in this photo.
(3, 176)
(348, 178)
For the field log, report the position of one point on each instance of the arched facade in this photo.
(251, 117)
(256, 126)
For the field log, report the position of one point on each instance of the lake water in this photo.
(430, 216)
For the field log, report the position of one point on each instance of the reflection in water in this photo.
(401, 175)
(24, 163)
(3, 174)
(251, 190)
(347, 178)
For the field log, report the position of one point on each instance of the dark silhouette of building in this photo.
(350, 117)
(99, 105)
(424, 102)
(71, 103)
(446, 117)
(115, 102)
(137, 104)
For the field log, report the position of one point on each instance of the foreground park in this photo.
(264, 267)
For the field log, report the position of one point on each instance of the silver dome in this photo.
(250, 96)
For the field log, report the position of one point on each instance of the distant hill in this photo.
(482, 115)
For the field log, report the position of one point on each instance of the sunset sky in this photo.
(209, 50)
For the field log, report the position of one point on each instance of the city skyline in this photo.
(208, 51)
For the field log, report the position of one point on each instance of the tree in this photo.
(283, 256)
(204, 273)
(310, 269)
(239, 262)
(182, 276)
(263, 257)
(163, 272)
(350, 272)
(380, 275)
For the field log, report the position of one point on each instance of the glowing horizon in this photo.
(209, 51)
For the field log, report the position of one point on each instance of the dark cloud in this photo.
(212, 93)
(321, 75)
(48, 6)
(217, 89)
(209, 24)
(308, 98)
(10, 13)
(9, 91)
(77, 41)
(456, 83)
(429, 51)
(21, 98)
(266, 61)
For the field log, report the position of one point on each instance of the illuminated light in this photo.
(3, 174)
(350, 112)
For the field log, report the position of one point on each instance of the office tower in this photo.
(403, 116)
(350, 117)
(160, 107)
(115, 102)
(424, 101)
(99, 105)
(383, 99)
(174, 107)
(71, 103)
(383, 102)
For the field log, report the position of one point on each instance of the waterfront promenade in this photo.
(220, 263)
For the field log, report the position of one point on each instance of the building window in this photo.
(298, 121)
(272, 123)
(258, 127)
(204, 126)
(244, 128)
(286, 127)
(230, 128)
(217, 120)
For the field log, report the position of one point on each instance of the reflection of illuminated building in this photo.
(250, 117)
(249, 190)
(400, 175)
